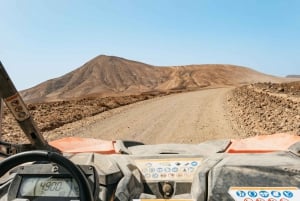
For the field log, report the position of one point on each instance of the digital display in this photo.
(49, 187)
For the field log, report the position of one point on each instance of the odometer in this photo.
(48, 186)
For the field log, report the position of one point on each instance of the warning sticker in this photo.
(175, 169)
(17, 106)
(265, 193)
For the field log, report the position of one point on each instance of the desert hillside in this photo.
(106, 76)
(114, 98)
(262, 108)
(293, 76)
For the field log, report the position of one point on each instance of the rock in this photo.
(261, 111)
(280, 89)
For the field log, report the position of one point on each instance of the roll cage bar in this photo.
(14, 102)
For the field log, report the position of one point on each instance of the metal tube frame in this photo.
(15, 103)
(1, 116)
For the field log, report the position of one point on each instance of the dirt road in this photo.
(184, 118)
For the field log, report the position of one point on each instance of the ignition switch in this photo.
(167, 190)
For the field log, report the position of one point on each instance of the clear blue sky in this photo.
(40, 40)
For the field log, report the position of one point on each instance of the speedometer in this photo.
(49, 187)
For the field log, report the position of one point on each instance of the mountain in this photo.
(111, 76)
(293, 76)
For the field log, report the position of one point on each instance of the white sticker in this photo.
(265, 193)
(182, 169)
(17, 107)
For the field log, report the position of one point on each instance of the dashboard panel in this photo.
(181, 176)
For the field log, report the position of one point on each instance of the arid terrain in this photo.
(106, 76)
(266, 108)
(188, 117)
(112, 98)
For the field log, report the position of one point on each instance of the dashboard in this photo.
(159, 175)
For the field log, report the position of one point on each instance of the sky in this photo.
(41, 40)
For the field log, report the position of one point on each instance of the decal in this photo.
(17, 107)
(265, 193)
(173, 169)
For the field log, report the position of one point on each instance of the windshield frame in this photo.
(1, 116)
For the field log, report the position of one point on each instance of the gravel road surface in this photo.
(189, 117)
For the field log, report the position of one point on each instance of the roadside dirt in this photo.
(190, 117)
(266, 108)
(52, 116)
